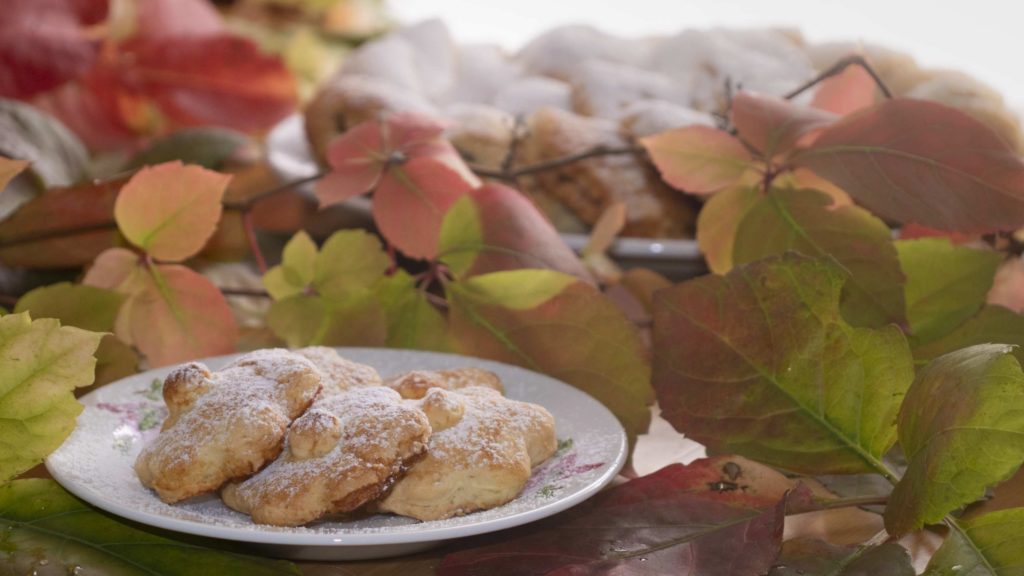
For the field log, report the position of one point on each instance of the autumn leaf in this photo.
(64, 228)
(170, 313)
(760, 363)
(44, 525)
(717, 222)
(698, 159)
(496, 228)
(644, 526)
(58, 158)
(851, 90)
(946, 284)
(1008, 285)
(44, 43)
(170, 210)
(919, 161)
(41, 363)
(805, 221)
(176, 18)
(807, 557)
(958, 403)
(556, 324)
(985, 546)
(9, 169)
(88, 308)
(775, 126)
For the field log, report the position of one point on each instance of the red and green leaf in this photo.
(985, 546)
(806, 557)
(718, 221)
(775, 126)
(761, 363)
(918, 161)
(698, 159)
(851, 90)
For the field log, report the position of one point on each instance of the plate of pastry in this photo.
(339, 453)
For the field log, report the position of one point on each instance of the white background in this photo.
(982, 37)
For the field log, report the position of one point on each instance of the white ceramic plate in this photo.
(290, 157)
(95, 464)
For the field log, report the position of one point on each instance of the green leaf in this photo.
(350, 261)
(43, 522)
(461, 234)
(946, 284)
(413, 322)
(986, 546)
(85, 307)
(806, 221)
(962, 430)
(717, 222)
(208, 146)
(556, 324)
(306, 320)
(41, 363)
(761, 363)
(808, 557)
(295, 273)
(993, 324)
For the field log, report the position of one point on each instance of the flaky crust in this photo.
(342, 453)
(339, 374)
(476, 460)
(226, 424)
(415, 383)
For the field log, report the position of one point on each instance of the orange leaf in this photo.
(773, 125)
(171, 313)
(698, 159)
(846, 92)
(171, 210)
(9, 169)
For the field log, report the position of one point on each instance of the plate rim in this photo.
(284, 536)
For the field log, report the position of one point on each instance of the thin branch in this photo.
(837, 68)
(512, 174)
(248, 203)
(59, 233)
(245, 292)
(856, 502)
(254, 243)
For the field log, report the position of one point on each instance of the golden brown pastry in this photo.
(416, 383)
(480, 454)
(344, 452)
(339, 374)
(227, 424)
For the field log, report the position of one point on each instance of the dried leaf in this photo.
(958, 403)
(775, 126)
(170, 210)
(607, 228)
(806, 221)
(946, 284)
(984, 546)
(717, 222)
(698, 159)
(760, 363)
(919, 161)
(497, 228)
(41, 363)
(42, 522)
(171, 313)
(851, 90)
(645, 526)
(806, 557)
(554, 323)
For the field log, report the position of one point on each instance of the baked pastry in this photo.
(479, 456)
(226, 424)
(416, 383)
(339, 374)
(344, 452)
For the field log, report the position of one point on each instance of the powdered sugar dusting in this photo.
(91, 466)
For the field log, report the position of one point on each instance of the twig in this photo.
(243, 205)
(512, 174)
(837, 68)
(254, 243)
(856, 502)
(245, 292)
(59, 233)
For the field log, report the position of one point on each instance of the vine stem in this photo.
(855, 502)
(837, 68)
(508, 173)
(254, 243)
(244, 292)
(248, 203)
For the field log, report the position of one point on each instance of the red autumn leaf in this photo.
(91, 109)
(171, 210)
(171, 313)
(219, 79)
(773, 125)
(646, 526)
(63, 228)
(849, 91)
(698, 159)
(497, 228)
(919, 161)
(45, 43)
(164, 18)
(911, 231)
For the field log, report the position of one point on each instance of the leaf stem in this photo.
(837, 68)
(508, 173)
(854, 502)
(244, 292)
(254, 244)
(59, 233)
(248, 203)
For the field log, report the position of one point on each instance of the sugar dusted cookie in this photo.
(226, 424)
(480, 454)
(342, 453)
(339, 374)
(416, 383)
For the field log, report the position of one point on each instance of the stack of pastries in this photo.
(290, 437)
(576, 87)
